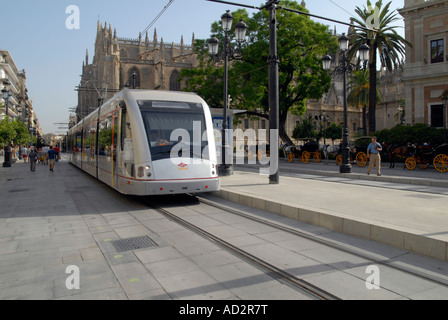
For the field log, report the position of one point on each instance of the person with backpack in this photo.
(32, 156)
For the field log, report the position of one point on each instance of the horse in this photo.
(394, 151)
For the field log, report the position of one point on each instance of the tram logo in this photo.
(182, 166)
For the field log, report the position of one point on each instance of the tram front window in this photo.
(175, 129)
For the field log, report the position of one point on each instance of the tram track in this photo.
(385, 262)
(277, 273)
(301, 285)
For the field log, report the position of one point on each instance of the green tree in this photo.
(7, 132)
(383, 41)
(358, 96)
(305, 129)
(301, 43)
(334, 132)
(13, 131)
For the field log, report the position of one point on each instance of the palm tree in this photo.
(358, 96)
(382, 40)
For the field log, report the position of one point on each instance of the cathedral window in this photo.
(174, 81)
(134, 78)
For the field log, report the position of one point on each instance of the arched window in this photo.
(123, 54)
(174, 81)
(134, 78)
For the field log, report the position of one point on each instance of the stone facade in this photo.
(426, 69)
(19, 105)
(139, 63)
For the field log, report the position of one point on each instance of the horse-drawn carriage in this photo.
(309, 150)
(422, 156)
(358, 151)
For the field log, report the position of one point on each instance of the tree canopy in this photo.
(13, 131)
(301, 43)
(382, 40)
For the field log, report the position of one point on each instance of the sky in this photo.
(44, 39)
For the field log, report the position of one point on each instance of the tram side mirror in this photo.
(122, 104)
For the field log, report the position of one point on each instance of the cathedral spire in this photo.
(155, 38)
(87, 56)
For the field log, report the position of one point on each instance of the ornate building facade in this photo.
(426, 70)
(138, 63)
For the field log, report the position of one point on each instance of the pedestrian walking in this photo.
(32, 156)
(56, 149)
(45, 149)
(373, 153)
(51, 157)
(25, 154)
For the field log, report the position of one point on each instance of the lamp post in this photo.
(445, 103)
(7, 158)
(228, 53)
(342, 69)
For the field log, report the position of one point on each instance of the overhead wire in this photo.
(158, 16)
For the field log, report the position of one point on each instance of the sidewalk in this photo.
(406, 212)
(52, 220)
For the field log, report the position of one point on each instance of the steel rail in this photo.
(384, 262)
(277, 273)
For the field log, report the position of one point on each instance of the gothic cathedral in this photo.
(120, 62)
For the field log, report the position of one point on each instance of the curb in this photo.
(402, 239)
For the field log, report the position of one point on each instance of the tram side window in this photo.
(105, 136)
(78, 141)
(86, 142)
(91, 141)
(115, 133)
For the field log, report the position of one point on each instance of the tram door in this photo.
(126, 159)
(115, 151)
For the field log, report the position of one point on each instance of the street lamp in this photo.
(228, 52)
(444, 98)
(344, 67)
(5, 95)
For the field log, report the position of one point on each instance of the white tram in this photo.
(145, 142)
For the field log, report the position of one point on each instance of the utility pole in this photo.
(273, 92)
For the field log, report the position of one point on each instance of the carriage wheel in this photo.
(422, 165)
(305, 157)
(361, 159)
(441, 162)
(317, 156)
(339, 160)
(290, 156)
(410, 163)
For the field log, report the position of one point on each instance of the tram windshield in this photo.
(175, 129)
